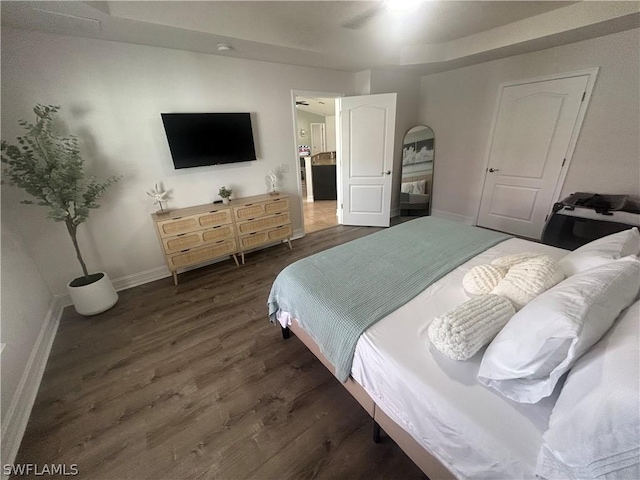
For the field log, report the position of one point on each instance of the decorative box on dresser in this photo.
(195, 235)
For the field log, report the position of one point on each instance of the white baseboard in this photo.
(17, 417)
(140, 278)
(453, 216)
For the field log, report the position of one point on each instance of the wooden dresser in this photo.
(261, 220)
(195, 235)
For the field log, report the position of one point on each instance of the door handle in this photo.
(491, 170)
(388, 172)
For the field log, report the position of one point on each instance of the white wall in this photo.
(25, 303)
(407, 108)
(459, 106)
(330, 132)
(112, 96)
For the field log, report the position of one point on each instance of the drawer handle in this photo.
(213, 211)
(248, 204)
(278, 213)
(249, 219)
(183, 251)
(180, 234)
(220, 241)
(217, 226)
(176, 218)
(253, 233)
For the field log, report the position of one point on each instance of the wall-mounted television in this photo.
(200, 139)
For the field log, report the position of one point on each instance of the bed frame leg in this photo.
(286, 333)
(376, 432)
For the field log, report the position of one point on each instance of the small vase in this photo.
(225, 200)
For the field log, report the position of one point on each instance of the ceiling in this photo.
(344, 35)
(319, 106)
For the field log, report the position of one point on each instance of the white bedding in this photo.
(418, 198)
(473, 431)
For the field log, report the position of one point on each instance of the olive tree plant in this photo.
(49, 167)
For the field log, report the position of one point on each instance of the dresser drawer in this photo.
(277, 206)
(263, 223)
(197, 238)
(249, 211)
(267, 236)
(202, 254)
(180, 225)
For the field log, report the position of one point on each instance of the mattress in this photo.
(473, 431)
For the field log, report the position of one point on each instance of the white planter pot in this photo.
(97, 297)
(225, 201)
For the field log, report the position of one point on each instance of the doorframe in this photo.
(308, 93)
(592, 73)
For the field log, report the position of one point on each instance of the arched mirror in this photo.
(417, 172)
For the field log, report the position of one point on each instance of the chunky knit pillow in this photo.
(525, 281)
(481, 279)
(461, 332)
(510, 260)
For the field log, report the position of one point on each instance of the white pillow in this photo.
(601, 251)
(594, 430)
(525, 281)
(461, 332)
(543, 340)
(509, 261)
(481, 279)
(418, 186)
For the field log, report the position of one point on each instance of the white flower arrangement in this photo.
(159, 195)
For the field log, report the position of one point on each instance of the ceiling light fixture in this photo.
(224, 47)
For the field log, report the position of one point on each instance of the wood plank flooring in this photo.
(193, 382)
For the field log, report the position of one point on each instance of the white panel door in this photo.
(533, 129)
(318, 142)
(367, 128)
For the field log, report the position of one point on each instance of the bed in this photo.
(449, 424)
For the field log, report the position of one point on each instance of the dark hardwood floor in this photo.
(192, 381)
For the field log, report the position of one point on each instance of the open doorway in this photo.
(315, 124)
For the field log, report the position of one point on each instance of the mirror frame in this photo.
(430, 186)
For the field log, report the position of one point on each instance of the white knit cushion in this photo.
(510, 260)
(525, 281)
(481, 279)
(461, 332)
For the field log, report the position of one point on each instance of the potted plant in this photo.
(49, 167)
(225, 193)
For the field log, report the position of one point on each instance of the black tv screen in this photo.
(200, 139)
